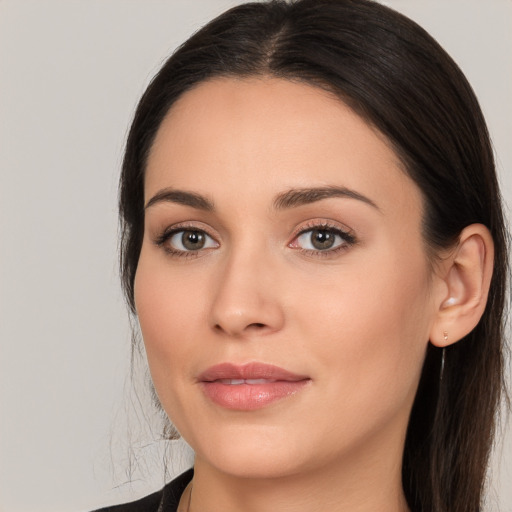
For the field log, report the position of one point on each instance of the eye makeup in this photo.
(318, 237)
(327, 239)
(183, 246)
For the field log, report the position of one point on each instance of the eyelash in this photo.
(170, 232)
(348, 238)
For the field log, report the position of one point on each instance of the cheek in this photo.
(168, 307)
(170, 312)
(371, 331)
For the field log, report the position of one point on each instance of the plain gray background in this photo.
(71, 72)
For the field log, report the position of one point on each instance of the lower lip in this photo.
(248, 397)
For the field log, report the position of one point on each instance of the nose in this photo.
(247, 301)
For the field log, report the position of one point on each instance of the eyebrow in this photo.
(290, 199)
(302, 196)
(192, 199)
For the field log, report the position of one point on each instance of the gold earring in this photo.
(445, 335)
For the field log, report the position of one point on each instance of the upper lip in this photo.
(249, 371)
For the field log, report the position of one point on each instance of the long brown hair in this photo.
(395, 76)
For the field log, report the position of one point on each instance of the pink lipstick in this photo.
(250, 386)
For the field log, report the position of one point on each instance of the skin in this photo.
(356, 321)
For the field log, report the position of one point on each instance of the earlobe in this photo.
(466, 274)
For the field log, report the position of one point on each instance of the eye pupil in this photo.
(322, 238)
(193, 240)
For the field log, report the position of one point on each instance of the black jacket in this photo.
(165, 500)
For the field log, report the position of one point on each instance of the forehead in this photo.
(266, 135)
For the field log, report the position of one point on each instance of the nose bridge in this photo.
(247, 294)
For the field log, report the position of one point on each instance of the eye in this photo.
(322, 239)
(187, 240)
(319, 239)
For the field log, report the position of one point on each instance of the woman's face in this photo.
(280, 231)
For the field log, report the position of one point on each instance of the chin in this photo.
(256, 452)
(256, 464)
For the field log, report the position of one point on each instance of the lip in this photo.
(250, 386)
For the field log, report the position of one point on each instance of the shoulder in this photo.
(166, 499)
(149, 503)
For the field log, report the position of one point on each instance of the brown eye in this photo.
(322, 239)
(189, 240)
(193, 240)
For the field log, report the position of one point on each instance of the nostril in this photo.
(256, 325)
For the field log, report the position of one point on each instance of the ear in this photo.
(465, 276)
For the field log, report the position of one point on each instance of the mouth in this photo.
(250, 386)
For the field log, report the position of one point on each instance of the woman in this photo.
(314, 247)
